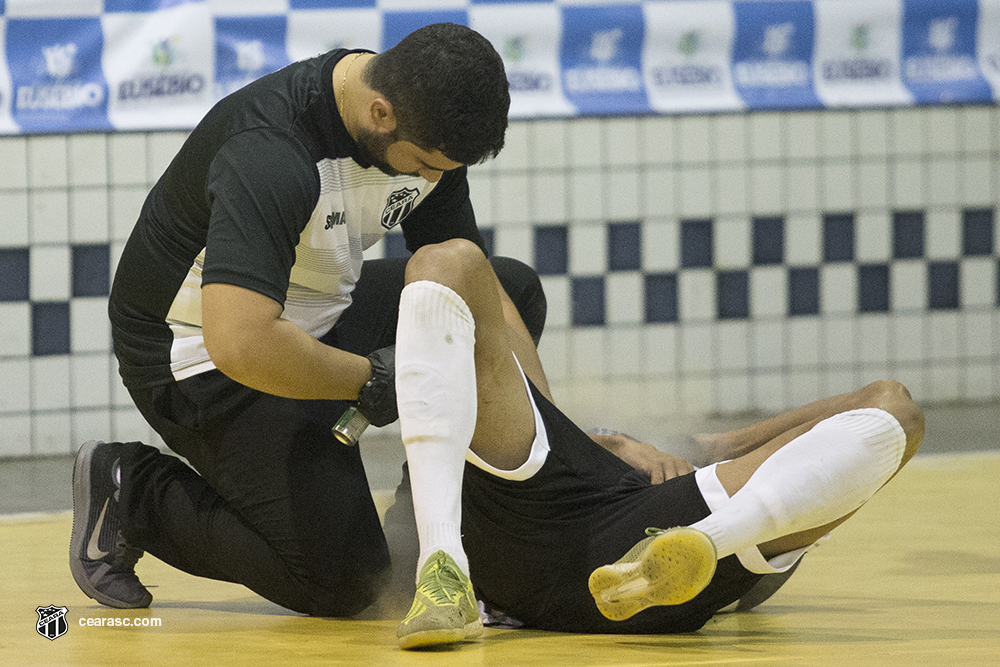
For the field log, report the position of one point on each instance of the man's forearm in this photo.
(248, 341)
(283, 360)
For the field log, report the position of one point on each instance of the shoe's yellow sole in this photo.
(432, 637)
(672, 570)
(441, 636)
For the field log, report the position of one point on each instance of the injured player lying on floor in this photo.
(599, 533)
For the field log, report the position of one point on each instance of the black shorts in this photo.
(532, 544)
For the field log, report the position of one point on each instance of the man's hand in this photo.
(642, 456)
(377, 398)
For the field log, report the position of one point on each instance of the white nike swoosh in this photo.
(93, 551)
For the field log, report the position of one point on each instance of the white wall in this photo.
(600, 184)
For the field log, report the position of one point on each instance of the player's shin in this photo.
(436, 393)
(816, 479)
(436, 390)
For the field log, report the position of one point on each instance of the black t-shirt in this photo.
(265, 194)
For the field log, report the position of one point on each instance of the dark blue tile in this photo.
(696, 243)
(838, 237)
(91, 270)
(15, 274)
(873, 288)
(942, 285)
(395, 246)
(661, 297)
(588, 301)
(732, 294)
(803, 291)
(768, 240)
(977, 231)
(624, 246)
(908, 234)
(49, 328)
(489, 239)
(551, 250)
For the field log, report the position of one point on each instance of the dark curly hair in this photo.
(448, 90)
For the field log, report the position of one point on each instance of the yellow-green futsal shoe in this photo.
(444, 608)
(669, 567)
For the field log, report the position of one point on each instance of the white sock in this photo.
(819, 477)
(436, 393)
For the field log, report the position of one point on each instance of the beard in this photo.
(372, 147)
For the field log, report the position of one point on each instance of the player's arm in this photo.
(660, 466)
(249, 342)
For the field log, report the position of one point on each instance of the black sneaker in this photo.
(102, 562)
(765, 588)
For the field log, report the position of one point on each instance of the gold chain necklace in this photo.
(343, 85)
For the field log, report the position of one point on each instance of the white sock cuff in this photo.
(427, 304)
(443, 536)
(879, 430)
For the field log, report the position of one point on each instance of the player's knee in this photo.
(894, 398)
(450, 263)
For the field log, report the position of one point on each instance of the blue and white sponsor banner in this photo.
(857, 55)
(248, 7)
(48, 9)
(398, 25)
(315, 31)
(159, 72)
(772, 54)
(602, 59)
(326, 4)
(6, 121)
(83, 65)
(686, 59)
(939, 52)
(527, 36)
(247, 48)
(988, 43)
(56, 76)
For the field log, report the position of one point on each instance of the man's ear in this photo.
(381, 115)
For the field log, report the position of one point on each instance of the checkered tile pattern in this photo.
(68, 205)
(874, 287)
(692, 264)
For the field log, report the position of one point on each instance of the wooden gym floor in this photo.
(912, 579)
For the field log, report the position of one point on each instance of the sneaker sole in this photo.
(442, 636)
(432, 637)
(673, 569)
(81, 517)
(474, 629)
